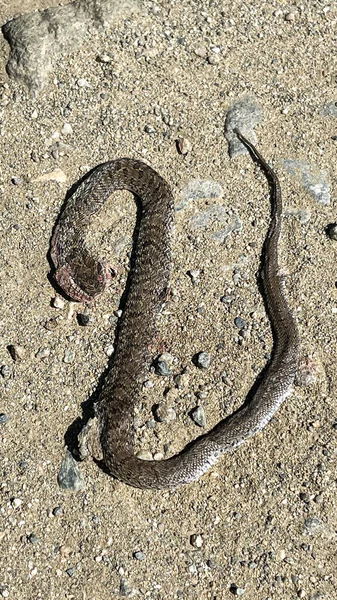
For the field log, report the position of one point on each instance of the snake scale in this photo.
(84, 278)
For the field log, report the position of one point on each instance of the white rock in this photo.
(57, 175)
(67, 129)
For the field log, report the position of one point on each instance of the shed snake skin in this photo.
(84, 278)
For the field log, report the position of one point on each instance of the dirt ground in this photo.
(262, 523)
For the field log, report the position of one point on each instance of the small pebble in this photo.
(16, 180)
(58, 302)
(17, 352)
(58, 511)
(139, 555)
(227, 299)
(149, 129)
(164, 414)
(124, 589)
(83, 82)
(52, 323)
(148, 384)
(5, 371)
(213, 59)
(16, 502)
(67, 129)
(104, 58)
(203, 360)
(184, 146)
(237, 591)
(198, 416)
(240, 323)
(144, 455)
(196, 540)
(3, 418)
(70, 571)
(331, 231)
(33, 539)
(201, 51)
(163, 364)
(305, 497)
(313, 525)
(43, 352)
(194, 274)
(83, 319)
(69, 356)
(211, 564)
(290, 17)
(109, 350)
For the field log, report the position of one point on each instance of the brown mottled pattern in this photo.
(82, 278)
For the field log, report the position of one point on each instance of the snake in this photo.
(110, 435)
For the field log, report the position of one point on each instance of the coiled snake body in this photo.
(83, 278)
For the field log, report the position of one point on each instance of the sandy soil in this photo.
(265, 516)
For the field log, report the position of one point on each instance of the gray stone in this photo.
(303, 215)
(164, 414)
(196, 189)
(240, 323)
(217, 214)
(70, 477)
(203, 360)
(329, 109)
(40, 38)
(5, 371)
(163, 364)
(313, 179)
(312, 524)
(69, 356)
(244, 114)
(198, 416)
(57, 511)
(139, 555)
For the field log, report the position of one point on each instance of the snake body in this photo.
(83, 279)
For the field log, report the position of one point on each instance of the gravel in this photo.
(247, 506)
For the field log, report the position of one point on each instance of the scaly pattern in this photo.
(84, 278)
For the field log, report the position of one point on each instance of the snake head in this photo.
(84, 281)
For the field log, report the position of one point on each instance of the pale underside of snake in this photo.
(111, 433)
